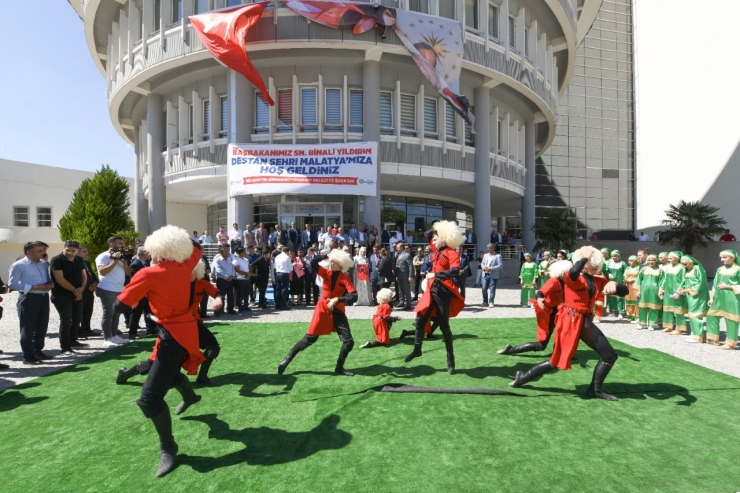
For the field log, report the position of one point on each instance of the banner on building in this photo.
(341, 169)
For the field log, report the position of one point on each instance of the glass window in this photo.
(190, 124)
(206, 119)
(471, 14)
(355, 110)
(157, 15)
(224, 117)
(512, 33)
(408, 115)
(20, 216)
(386, 113)
(431, 130)
(200, 6)
(492, 21)
(43, 217)
(526, 42)
(419, 6)
(450, 123)
(499, 142)
(176, 143)
(309, 113)
(447, 9)
(333, 110)
(469, 139)
(262, 115)
(141, 24)
(176, 11)
(285, 110)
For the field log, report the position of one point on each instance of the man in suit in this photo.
(341, 235)
(404, 275)
(385, 236)
(293, 237)
(491, 265)
(260, 237)
(464, 270)
(496, 237)
(354, 235)
(281, 236)
(471, 239)
(374, 261)
(308, 238)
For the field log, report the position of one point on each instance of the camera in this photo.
(126, 253)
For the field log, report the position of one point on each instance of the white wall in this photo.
(687, 106)
(192, 217)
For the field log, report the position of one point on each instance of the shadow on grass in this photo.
(640, 391)
(266, 446)
(250, 382)
(12, 399)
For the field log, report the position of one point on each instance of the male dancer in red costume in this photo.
(575, 321)
(206, 340)
(329, 316)
(441, 299)
(549, 298)
(167, 287)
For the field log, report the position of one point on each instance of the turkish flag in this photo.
(224, 32)
(363, 272)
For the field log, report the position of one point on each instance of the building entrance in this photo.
(315, 214)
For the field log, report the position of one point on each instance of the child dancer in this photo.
(630, 278)
(382, 320)
(694, 286)
(674, 307)
(724, 301)
(615, 272)
(648, 283)
(528, 279)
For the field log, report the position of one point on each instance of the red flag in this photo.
(224, 32)
(363, 272)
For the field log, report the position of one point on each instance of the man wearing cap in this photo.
(69, 280)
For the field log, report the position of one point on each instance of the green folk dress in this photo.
(528, 275)
(674, 309)
(648, 282)
(615, 272)
(697, 295)
(725, 304)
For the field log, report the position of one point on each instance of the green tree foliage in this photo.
(99, 208)
(691, 225)
(556, 231)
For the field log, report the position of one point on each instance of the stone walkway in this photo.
(507, 306)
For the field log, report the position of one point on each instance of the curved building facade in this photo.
(180, 108)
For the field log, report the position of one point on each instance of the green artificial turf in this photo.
(675, 427)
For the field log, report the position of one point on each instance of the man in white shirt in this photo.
(205, 238)
(396, 236)
(112, 270)
(643, 236)
(491, 264)
(223, 270)
(283, 268)
(235, 237)
(241, 279)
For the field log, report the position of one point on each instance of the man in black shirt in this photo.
(88, 297)
(69, 279)
(140, 261)
(261, 269)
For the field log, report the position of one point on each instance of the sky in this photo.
(52, 97)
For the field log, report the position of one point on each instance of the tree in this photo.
(691, 225)
(99, 208)
(555, 231)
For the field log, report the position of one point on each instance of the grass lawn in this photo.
(675, 426)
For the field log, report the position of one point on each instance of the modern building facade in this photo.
(180, 109)
(590, 168)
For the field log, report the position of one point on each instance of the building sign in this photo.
(309, 209)
(348, 169)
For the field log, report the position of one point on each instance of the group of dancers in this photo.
(565, 305)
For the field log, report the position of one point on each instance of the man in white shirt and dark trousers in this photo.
(235, 237)
(112, 269)
(283, 268)
(30, 277)
(223, 270)
(491, 265)
(241, 280)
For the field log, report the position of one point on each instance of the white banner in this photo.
(341, 169)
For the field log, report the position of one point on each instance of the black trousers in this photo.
(461, 284)
(226, 291)
(136, 313)
(418, 278)
(262, 288)
(592, 336)
(308, 291)
(376, 288)
(241, 291)
(33, 315)
(441, 298)
(163, 375)
(341, 325)
(88, 303)
(70, 314)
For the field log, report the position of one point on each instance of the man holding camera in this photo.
(113, 269)
(69, 278)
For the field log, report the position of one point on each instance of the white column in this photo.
(155, 164)
(241, 96)
(482, 185)
(528, 202)
(141, 218)
(371, 131)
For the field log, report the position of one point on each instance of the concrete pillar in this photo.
(155, 141)
(528, 202)
(141, 213)
(371, 131)
(240, 209)
(482, 212)
(501, 223)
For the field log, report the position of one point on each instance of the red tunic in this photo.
(443, 260)
(201, 287)
(167, 286)
(570, 318)
(322, 322)
(380, 325)
(553, 292)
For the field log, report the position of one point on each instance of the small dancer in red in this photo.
(441, 299)
(329, 316)
(382, 320)
(549, 298)
(583, 286)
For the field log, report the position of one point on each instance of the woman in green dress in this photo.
(615, 269)
(544, 270)
(528, 279)
(629, 279)
(695, 289)
(724, 301)
(674, 308)
(648, 283)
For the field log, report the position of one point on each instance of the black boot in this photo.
(532, 373)
(299, 346)
(524, 348)
(600, 372)
(418, 339)
(203, 374)
(343, 353)
(406, 333)
(163, 425)
(450, 353)
(124, 374)
(370, 344)
(189, 397)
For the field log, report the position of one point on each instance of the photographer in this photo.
(69, 278)
(113, 269)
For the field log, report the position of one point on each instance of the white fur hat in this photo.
(170, 243)
(342, 258)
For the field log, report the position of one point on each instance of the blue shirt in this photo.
(24, 274)
(222, 268)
